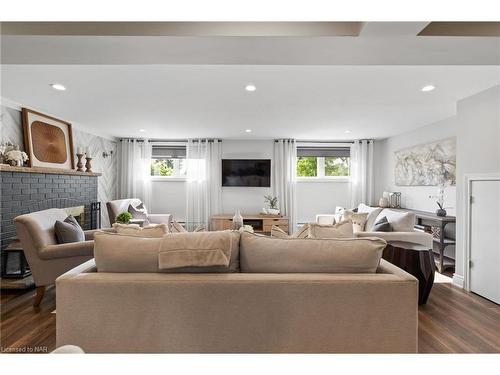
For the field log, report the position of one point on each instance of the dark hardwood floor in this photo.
(452, 321)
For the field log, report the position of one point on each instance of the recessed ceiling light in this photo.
(58, 87)
(250, 87)
(142, 130)
(248, 130)
(347, 131)
(428, 88)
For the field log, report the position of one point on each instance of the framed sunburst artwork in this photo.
(47, 141)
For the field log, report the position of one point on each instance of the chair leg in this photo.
(40, 291)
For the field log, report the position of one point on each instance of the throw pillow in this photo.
(358, 220)
(372, 214)
(278, 232)
(401, 221)
(382, 225)
(344, 229)
(199, 228)
(302, 232)
(177, 228)
(68, 231)
(150, 231)
(139, 213)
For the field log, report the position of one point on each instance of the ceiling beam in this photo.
(183, 28)
(392, 28)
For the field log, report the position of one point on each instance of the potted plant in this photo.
(272, 204)
(124, 217)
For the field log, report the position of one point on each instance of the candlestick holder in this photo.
(79, 165)
(88, 165)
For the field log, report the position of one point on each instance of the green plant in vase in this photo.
(272, 204)
(124, 217)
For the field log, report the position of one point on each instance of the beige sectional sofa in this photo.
(124, 302)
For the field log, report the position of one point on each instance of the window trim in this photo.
(328, 179)
(167, 178)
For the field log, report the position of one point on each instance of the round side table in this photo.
(417, 260)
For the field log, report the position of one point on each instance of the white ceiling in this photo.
(304, 102)
(308, 87)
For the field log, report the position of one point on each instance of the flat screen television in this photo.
(246, 172)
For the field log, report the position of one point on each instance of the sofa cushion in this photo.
(153, 231)
(400, 221)
(115, 252)
(372, 214)
(343, 229)
(260, 254)
(358, 220)
(68, 231)
(382, 225)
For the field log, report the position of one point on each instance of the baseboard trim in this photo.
(458, 280)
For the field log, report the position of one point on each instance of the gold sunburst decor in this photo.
(49, 143)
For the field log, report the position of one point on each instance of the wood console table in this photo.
(425, 220)
(260, 223)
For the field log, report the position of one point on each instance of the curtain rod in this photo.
(362, 139)
(170, 140)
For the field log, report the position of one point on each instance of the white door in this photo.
(485, 239)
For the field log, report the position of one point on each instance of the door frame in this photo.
(469, 179)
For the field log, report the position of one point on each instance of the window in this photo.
(322, 161)
(168, 160)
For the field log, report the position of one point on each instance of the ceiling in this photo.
(186, 79)
(304, 102)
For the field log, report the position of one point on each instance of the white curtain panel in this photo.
(134, 171)
(204, 181)
(362, 181)
(284, 174)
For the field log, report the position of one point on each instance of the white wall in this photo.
(321, 197)
(312, 197)
(478, 151)
(169, 197)
(415, 197)
(477, 128)
(249, 200)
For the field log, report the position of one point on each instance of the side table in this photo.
(15, 248)
(415, 259)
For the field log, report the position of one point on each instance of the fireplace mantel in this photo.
(9, 168)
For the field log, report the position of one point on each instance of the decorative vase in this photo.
(273, 211)
(79, 165)
(383, 202)
(237, 220)
(441, 212)
(88, 165)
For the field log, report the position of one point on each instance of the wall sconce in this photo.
(106, 154)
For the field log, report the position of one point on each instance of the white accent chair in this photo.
(120, 205)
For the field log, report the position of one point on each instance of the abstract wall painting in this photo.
(429, 164)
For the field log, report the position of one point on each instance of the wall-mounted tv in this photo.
(246, 172)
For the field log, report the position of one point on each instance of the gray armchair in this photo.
(48, 259)
(117, 206)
